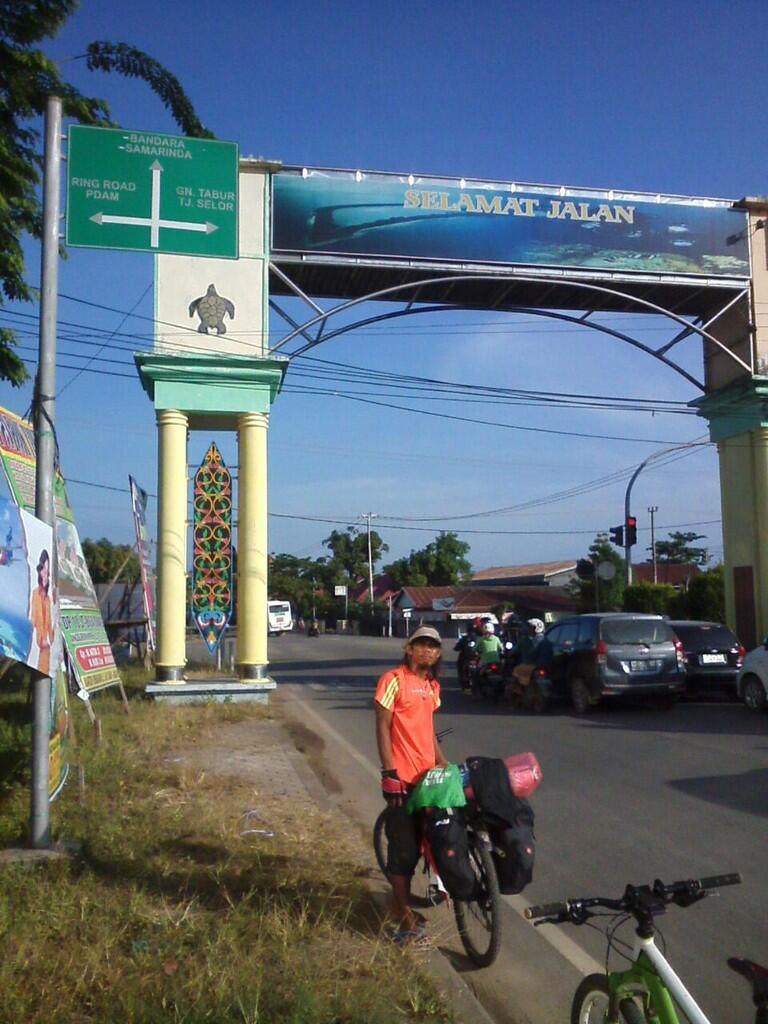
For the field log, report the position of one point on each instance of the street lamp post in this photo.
(628, 493)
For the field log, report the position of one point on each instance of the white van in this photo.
(279, 617)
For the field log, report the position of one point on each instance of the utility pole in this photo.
(653, 509)
(368, 516)
(45, 450)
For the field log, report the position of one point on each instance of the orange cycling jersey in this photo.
(413, 701)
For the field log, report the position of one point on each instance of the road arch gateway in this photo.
(425, 244)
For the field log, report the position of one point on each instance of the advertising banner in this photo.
(139, 506)
(74, 584)
(28, 592)
(58, 744)
(394, 216)
(29, 619)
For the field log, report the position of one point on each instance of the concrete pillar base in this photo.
(248, 672)
(216, 691)
(169, 673)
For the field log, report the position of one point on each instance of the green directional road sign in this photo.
(153, 192)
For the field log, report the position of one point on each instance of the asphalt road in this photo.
(629, 794)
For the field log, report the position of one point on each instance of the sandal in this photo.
(415, 937)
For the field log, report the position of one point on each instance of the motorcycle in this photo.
(530, 688)
(490, 681)
(467, 666)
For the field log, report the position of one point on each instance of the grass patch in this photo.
(169, 914)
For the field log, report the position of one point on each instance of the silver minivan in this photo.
(614, 654)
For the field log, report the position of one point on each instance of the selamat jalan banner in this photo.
(352, 213)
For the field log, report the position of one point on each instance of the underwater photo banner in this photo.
(351, 213)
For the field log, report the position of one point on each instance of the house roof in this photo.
(676, 573)
(499, 572)
(383, 588)
(476, 600)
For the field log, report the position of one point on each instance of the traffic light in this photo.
(585, 569)
(631, 527)
(617, 535)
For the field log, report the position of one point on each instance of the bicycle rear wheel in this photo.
(380, 841)
(479, 919)
(591, 1001)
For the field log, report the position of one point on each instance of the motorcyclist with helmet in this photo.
(533, 651)
(527, 648)
(466, 647)
(489, 646)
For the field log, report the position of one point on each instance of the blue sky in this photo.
(654, 97)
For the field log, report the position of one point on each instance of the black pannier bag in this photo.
(510, 823)
(446, 833)
(514, 850)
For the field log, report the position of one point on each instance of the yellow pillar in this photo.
(171, 546)
(760, 471)
(252, 546)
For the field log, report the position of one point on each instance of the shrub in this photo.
(655, 598)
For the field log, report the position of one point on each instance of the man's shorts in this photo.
(403, 841)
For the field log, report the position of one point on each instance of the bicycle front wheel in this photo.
(591, 1002)
(479, 919)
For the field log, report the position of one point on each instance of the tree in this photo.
(297, 580)
(610, 593)
(442, 563)
(678, 549)
(706, 596)
(27, 79)
(106, 560)
(349, 553)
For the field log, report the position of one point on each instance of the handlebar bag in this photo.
(446, 832)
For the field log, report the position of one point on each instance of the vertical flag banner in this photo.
(139, 506)
(212, 551)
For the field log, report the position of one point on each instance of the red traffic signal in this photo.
(630, 528)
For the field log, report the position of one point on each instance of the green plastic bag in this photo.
(439, 787)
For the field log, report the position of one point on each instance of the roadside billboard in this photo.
(391, 216)
(75, 588)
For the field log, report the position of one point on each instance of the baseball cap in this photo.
(425, 633)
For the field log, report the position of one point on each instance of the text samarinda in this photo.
(516, 206)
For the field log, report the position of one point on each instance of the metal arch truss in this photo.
(313, 331)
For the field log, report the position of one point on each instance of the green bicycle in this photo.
(649, 992)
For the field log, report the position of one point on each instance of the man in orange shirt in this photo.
(406, 699)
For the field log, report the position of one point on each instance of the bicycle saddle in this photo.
(756, 975)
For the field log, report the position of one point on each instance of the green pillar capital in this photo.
(736, 409)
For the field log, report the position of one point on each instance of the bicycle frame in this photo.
(662, 988)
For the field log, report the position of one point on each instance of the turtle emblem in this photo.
(211, 309)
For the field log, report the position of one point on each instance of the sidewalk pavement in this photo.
(265, 752)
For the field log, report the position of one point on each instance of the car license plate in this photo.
(713, 659)
(644, 666)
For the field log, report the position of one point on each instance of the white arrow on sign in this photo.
(155, 222)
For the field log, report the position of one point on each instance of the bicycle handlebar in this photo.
(643, 899)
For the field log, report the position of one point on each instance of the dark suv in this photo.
(713, 654)
(614, 654)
